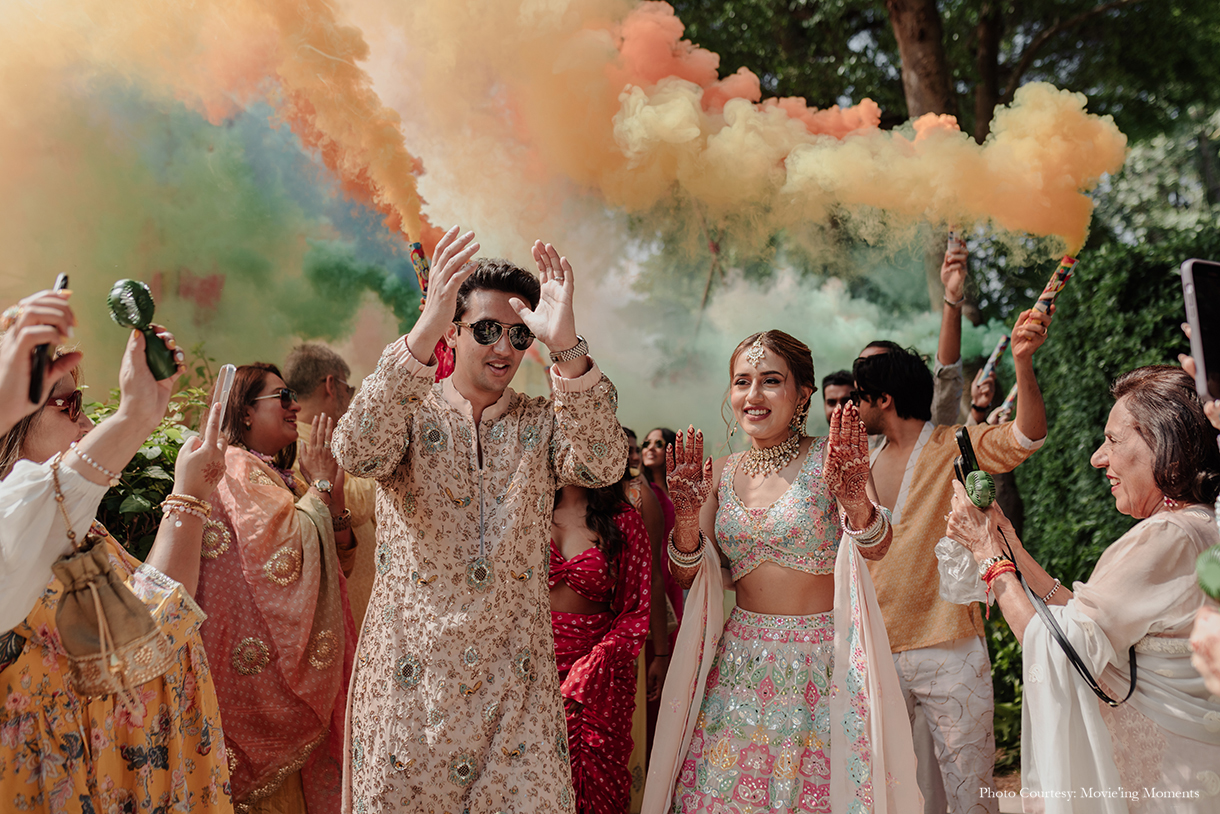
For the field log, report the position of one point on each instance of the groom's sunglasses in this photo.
(488, 332)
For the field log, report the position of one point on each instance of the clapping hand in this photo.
(687, 474)
(552, 321)
(450, 268)
(847, 466)
(317, 460)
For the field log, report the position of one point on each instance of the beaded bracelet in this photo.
(190, 500)
(686, 559)
(84, 456)
(873, 534)
(1051, 592)
(179, 508)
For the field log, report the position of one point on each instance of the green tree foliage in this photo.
(1143, 62)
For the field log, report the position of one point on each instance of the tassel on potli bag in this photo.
(113, 643)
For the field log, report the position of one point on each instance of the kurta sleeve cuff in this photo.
(1032, 446)
(580, 384)
(948, 371)
(400, 359)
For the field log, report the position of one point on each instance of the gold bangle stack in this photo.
(686, 559)
(186, 504)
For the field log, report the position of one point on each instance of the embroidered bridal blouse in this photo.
(455, 699)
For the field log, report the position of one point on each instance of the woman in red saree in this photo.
(279, 634)
(599, 579)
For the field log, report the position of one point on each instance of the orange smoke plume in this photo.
(611, 97)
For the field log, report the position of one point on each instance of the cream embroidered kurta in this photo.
(455, 700)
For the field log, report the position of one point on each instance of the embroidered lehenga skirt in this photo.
(762, 738)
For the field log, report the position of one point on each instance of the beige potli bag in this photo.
(113, 643)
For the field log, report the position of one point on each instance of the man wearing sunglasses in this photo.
(456, 703)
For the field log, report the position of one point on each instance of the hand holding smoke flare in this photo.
(994, 359)
(1058, 280)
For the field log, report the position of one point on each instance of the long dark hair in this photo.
(669, 437)
(246, 384)
(1169, 417)
(604, 505)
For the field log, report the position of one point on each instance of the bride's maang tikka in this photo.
(756, 352)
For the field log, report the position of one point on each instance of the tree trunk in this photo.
(987, 61)
(925, 71)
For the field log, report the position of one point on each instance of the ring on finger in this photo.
(10, 316)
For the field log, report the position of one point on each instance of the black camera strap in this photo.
(1052, 625)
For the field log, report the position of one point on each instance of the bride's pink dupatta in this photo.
(867, 712)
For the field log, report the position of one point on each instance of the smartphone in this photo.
(1201, 289)
(42, 355)
(965, 463)
(225, 380)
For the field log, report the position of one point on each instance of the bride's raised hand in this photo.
(847, 459)
(688, 475)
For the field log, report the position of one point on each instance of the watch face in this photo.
(323, 485)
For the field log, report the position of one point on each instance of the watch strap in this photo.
(581, 348)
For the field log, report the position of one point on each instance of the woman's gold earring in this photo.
(733, 429)
(800, 417)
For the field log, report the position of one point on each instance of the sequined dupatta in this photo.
(279, 633)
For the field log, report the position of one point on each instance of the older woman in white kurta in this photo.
(1160, 751)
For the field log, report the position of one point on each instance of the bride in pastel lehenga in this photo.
(792, 703)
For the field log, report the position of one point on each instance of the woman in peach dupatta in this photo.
(792, 704)
(278, 633)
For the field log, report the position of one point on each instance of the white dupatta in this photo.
(870, 730)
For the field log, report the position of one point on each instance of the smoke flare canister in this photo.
(994, 359)
(1053, 286)
(419, 261)
(1008, 401)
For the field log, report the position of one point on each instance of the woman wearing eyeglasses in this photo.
(280, 637)
(61, 751)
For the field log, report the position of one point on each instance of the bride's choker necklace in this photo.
(771, 459)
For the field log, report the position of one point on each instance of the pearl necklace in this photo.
(771, 459)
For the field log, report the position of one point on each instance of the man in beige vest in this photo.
(319, 376)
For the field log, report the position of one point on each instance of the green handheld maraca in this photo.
(131, 306)
(980, 487)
